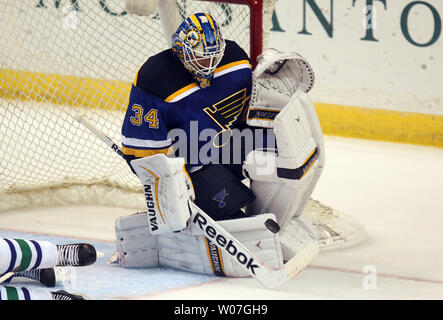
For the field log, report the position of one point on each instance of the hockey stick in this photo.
(8, 275)
(267, 276)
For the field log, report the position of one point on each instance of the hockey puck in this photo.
(272, 226)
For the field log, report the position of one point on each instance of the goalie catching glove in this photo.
(276, 79)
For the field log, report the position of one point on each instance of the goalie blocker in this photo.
(162, 176)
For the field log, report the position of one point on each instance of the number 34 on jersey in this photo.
(151, 117)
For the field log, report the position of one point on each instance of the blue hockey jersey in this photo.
(168, 110)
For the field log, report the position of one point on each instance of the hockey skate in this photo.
(335, 229)
(63, 295)
(44, 276)
(76, 255)
(331, 229)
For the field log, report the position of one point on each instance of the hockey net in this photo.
(65, 57)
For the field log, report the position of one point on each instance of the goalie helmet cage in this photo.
(65, 58)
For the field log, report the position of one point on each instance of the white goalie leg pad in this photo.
(283, 182)
(136, 246)
(167, 188)
(189, 250)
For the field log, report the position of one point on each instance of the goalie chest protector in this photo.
(164, 96)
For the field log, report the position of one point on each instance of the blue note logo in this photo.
(220, 198)
(226, 113)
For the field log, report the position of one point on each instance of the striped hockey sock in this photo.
(21, 255)
(22, 293)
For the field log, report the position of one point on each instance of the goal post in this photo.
(69, 57)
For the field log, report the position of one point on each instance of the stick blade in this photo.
(301, 259)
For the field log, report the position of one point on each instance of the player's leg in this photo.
(24, 293)
(35, 260)
(21, 255)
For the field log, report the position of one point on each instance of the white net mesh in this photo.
(61, 58)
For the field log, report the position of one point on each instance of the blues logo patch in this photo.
(220, 198)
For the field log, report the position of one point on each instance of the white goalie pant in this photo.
(189, 250)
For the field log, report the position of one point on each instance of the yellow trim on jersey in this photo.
(144, 153)
(181, 91)
(136, 77)
(232, 64)
(194, 85)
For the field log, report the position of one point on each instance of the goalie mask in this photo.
(199, 45)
